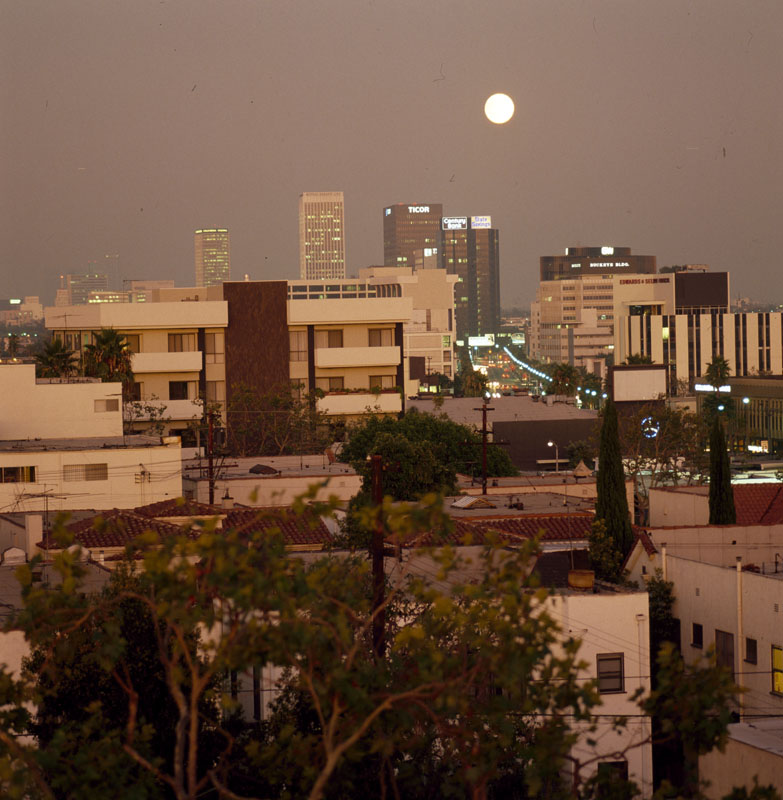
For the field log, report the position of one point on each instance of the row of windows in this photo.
(297, 340)
(724, 650)
(17, 474)
(337, 384)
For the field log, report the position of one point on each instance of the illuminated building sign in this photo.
(386, 212)
(706, 387)
(627, 281)
(610, 264)
(607, 251)
(418, 209)
(488, 340)
(480, 222)
(14, 301)
(454, 223)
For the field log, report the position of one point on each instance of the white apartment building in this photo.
(61, 447)
(178, 352)
(571, 321)
(430, 332)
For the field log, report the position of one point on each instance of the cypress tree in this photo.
(612, 503)
(722, 510)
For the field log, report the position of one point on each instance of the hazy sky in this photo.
(127, 124)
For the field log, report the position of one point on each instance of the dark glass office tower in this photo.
(408, 227)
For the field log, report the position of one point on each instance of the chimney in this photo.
(33, 533)
(228, 501)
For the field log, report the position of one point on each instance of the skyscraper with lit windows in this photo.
(408, 228)
(213, 256)
(321, 235)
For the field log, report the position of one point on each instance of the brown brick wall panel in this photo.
(257, 345)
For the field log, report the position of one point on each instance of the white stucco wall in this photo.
(124, 488)
(32, 410)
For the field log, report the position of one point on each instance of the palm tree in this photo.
(55, 360)
(717, 372)
(109, 358)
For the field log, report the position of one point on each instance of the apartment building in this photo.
(430, 333)
(344, 338)
(62, 447)
(571, 321)
(178, 352)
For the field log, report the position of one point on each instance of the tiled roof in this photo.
(179, 507)
(297, 529)
(553, 527)
(645, 541)
(759, 503)
(112, 529)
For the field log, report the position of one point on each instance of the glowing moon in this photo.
(499, 108)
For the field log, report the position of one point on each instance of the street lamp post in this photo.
(550, 443)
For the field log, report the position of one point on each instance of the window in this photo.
(610, 672)
(135, 391)
(214, 348)
(182, 390)
(328, 339)
(381, 382)
(447, 370)
(133, 342)
(381, 337)
(697, 638)
(330, 384)
(724, 650)
(215, 391)
(446, 341)
(297, 345)
(751, 651)
(777, 669)
(86, 472)
(182, 342)
(17, 474)
(106, 405)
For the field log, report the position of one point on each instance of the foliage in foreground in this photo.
(472, 697)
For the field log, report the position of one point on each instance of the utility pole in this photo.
(210, 456)
(484, 408)
(376, 550)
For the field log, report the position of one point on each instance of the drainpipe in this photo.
(740, 639)
(663, 562)
(643, 668)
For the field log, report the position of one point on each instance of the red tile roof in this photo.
(179, 507)
(552, 527)
(759, 503)
(297, 529)
(112, 529)
(646, 542)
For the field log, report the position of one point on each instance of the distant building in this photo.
(408, 227)
(321, 235)
(213, 256)
(583, 261)
(75, 287)
(469, 247)
(20, 310)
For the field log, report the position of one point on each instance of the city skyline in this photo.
(656, 127)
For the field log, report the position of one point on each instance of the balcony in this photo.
(166, 362)
(359, 403)
(343, 357)
(171, 410)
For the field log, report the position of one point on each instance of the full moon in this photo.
(499, 108)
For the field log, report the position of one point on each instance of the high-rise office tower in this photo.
(213, 256)
(408, 227)
(469, 247)
(321, 235)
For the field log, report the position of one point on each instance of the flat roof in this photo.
(79, 443)
(765, 734)
(283, 466)
(520, 408)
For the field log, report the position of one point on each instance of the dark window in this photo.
(18, 474)
(751, 651)
(697, 639)
(382, 337)
(182, 342)
(134, 392)
(724, 650)
(178, 390)
(333, 338)
(610, 672)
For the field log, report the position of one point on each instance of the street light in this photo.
(550, 443)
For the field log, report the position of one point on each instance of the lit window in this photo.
(777, 669)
